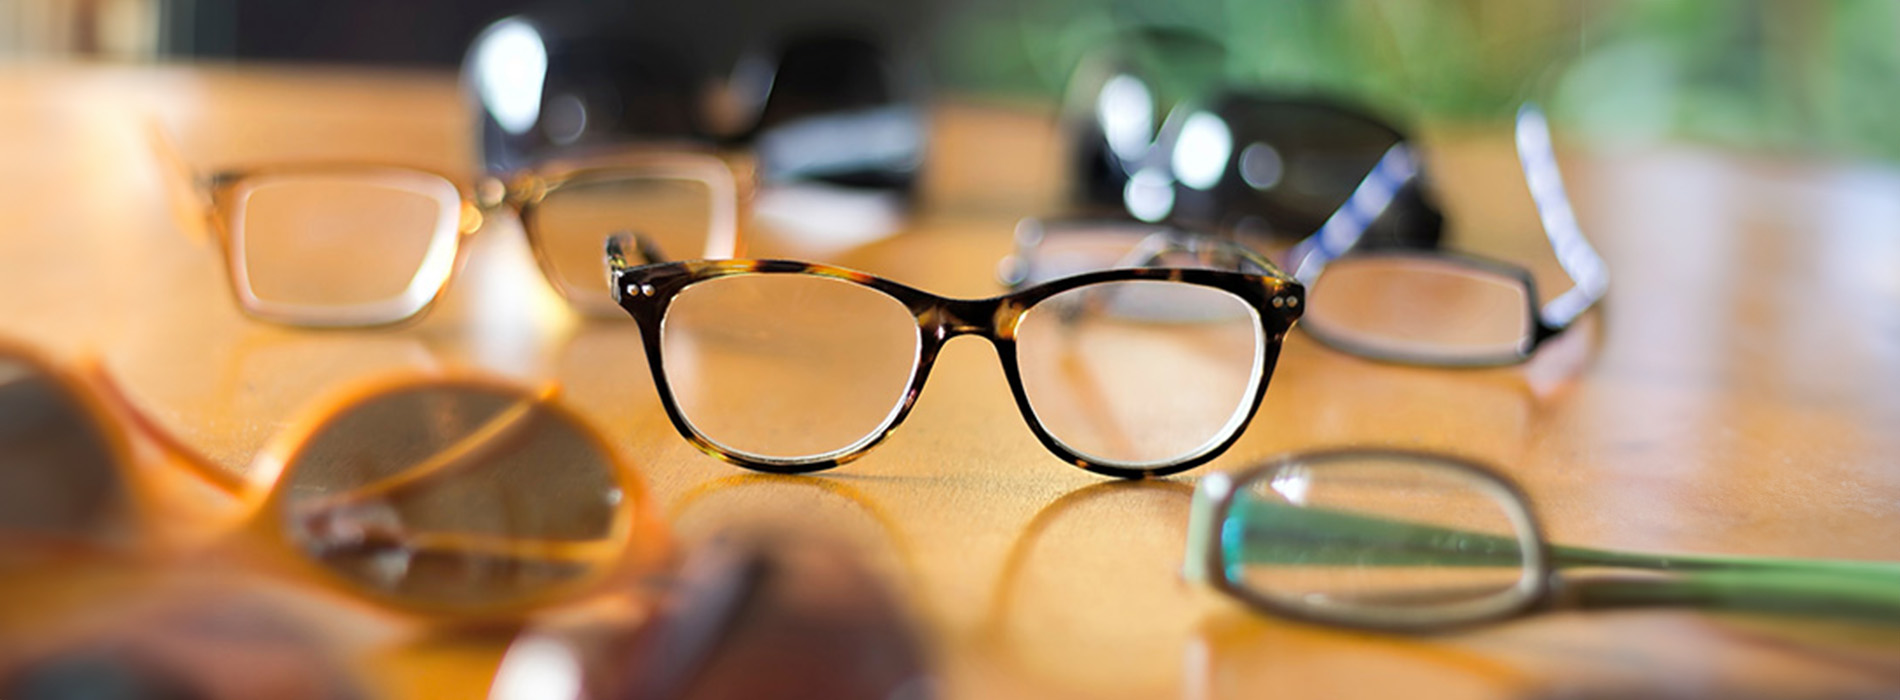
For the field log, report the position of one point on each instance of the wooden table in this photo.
(1738, 392)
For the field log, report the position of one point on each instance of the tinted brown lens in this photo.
(458, 495)
(58, 474)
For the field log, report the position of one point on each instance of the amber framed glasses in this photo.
(456, 498)
(350, 244)
(788, 366)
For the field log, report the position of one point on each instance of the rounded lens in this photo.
(1141, 373)
(787, 367)
(572, 223)
(1420, 308)
(58, 472)
(1382, 539)
(455, 495)
(315, 243)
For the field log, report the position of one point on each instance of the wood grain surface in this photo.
(1737, 392)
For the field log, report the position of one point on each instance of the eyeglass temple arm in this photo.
(196, 460)
(619, 245)
(493, 436)
(1348, 224)
(184, 188)
(1287, 534)
(1578, 258)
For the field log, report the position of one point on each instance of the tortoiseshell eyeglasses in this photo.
(790, 367)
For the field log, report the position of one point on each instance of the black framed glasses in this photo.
(787, 366)
(1407, 541)
(1159, 133)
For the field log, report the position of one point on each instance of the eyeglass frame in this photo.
(1341, 235)
(208, 205)
(257, 532)
(646, 292)
(1215, 495)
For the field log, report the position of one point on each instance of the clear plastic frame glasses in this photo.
(1417, 542)
(787, 366)
(455, 498)
(356, 244)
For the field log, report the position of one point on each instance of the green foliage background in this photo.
(1806, 75)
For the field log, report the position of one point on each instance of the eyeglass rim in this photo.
(1215, 496)
(645, 292)
(635, 532)
(527, 190)
(1538, 330)
(457, 219)
(94, 408)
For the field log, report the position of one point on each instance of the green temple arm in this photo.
(1263, 532)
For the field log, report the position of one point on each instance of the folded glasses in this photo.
(788, 366)
(1425, 306)
(359, 244)
(1416, 542)
(453, 498)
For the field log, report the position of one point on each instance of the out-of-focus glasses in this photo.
(1424, 306)
(1413, 542)
(1442, 307)
(357, 244)
(1157, 134)
(455, 498)
(793, 367)
(746, 618)
(200, 645)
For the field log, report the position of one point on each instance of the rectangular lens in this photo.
(371, 245)
(788, 367)
(1381, 540)
(1420, 308)
(572, 223)
(1141, 373)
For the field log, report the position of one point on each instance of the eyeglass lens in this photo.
(1140, 372)
(1380, 540)
(571, 224)
(328, 240)
(57, 476)
(785, 366)
(454, 495)
(1423, 306)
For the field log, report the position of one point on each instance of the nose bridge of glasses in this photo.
(950, 318)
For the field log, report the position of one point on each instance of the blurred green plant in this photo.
(1815, 76)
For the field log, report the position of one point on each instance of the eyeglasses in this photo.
(210, 644)
(452, 498)
(794, 367)
(358, 244)
(1439, 307)
(1423, 306)
(1415, 542)
(835, 107)
(1224, 157)
(747, 617)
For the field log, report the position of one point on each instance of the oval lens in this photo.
(786, 367)
(456, 495)
(1382, 540)
(1141, 374)
(572, 223)
(375, 243)
(59, 475)
(1420, 309)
